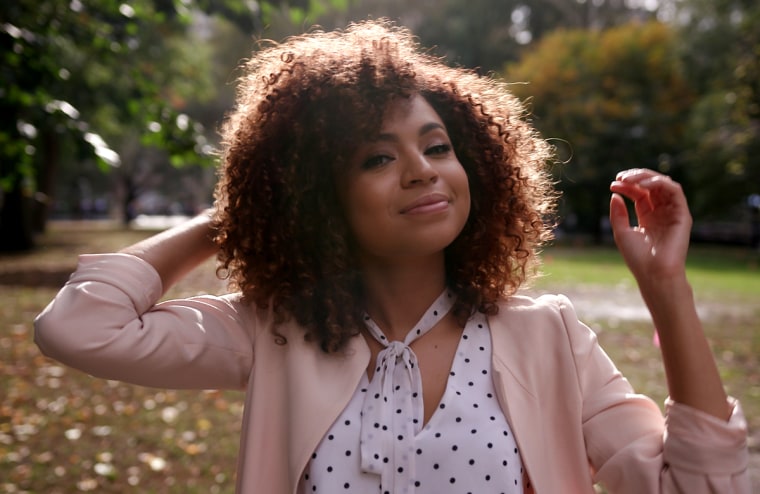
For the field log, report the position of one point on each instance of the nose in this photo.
(418, 171)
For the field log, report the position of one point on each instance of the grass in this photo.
(62, 431)
(714, 272)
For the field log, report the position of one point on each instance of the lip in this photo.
(429, 203)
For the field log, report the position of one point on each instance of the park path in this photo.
(623, 302)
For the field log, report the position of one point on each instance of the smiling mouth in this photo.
(432, 203)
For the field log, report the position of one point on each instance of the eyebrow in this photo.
(428, 127)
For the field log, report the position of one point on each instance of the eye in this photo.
(438, 149)
(376, 161)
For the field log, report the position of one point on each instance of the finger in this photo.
(635, 175)
(648, 180)
(664, 191)
(656, 181)
(619, 220)
(639, 195)
(630, 190)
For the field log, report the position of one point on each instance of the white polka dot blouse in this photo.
(379, 443)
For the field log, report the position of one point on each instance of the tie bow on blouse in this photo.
(392, 412)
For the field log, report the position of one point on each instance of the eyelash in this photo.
(381, 159)
(376, 161)
(439, 149)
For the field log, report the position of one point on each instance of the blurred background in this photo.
(110, 109)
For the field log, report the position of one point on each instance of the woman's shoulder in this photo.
(538, 318)
(546, 302)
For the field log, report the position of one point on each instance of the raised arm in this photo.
(655, 252)
(176, 251)
(106, 320)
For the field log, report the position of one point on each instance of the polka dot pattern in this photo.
(467, 445)
(395, 401)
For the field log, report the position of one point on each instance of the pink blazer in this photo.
(576, 419)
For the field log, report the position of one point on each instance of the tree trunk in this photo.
(16, 219)
(51, 155)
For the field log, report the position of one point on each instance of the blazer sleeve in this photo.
(633, 449)
(106, 321)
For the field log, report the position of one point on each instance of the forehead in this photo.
(413, 110)
(364, 121)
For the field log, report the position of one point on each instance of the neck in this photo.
(398, 295)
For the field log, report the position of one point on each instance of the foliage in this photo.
(720, 45)
(78, 78)
(611, 100)
(68, 65)
(95, 80)
(486, 34)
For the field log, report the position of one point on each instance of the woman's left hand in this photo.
(655, 249)
(655, 252)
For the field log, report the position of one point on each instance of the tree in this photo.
(720, 44)
(486, 34)
(74, 74)
(610, 99)
(85, 80)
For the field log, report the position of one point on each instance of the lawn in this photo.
(62, 431)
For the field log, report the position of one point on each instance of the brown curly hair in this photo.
(303, 107)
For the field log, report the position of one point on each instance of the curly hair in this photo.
(303, 107)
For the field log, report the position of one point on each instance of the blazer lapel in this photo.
(512, 354)
(320, 386)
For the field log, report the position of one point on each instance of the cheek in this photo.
(466, 209)
(365, 211)
(461, 185)
(468, 202)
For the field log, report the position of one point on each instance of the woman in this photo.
(376, 213)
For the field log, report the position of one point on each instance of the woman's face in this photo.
(405, 193)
